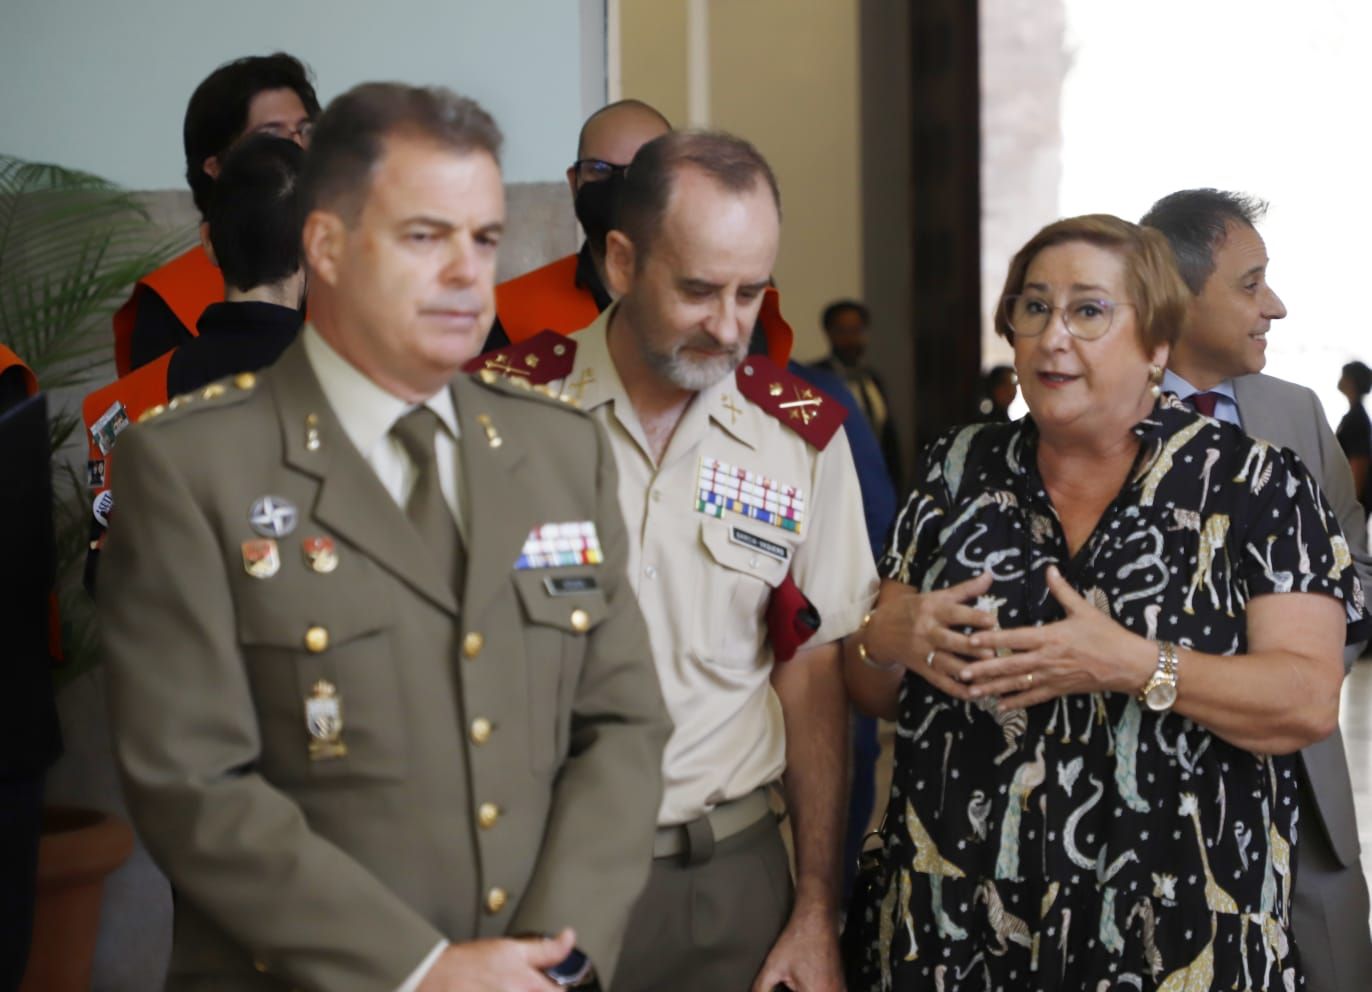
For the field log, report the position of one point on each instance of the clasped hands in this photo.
(945, 640)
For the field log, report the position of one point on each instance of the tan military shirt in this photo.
(703, 581)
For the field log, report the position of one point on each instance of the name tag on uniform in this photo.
(570, 585)
(558, 545)
(724, 488)
(770, 548)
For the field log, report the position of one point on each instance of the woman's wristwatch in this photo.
(1159, 693)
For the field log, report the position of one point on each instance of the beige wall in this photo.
(784, 75)
(652, 54)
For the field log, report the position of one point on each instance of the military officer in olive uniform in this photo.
(382, 695)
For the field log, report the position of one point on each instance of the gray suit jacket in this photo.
(1291, 416)
(502, 771)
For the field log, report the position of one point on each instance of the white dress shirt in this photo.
(367, 413)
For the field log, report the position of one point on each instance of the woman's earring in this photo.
(1155, 377)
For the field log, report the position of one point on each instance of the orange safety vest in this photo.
(187, 284)
(9, 360)
(139, 391)
(546, 299)
(549, 299)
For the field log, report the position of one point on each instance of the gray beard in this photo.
(693, 375)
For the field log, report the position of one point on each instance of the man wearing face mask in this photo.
(569, 293)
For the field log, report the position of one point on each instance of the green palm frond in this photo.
(71, 245)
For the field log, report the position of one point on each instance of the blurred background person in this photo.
(999, 387)
(259, 94)
(1044, 806)
(1355, 431)
(253, 227)
(846, 326)
(567, 294)
(252, 233)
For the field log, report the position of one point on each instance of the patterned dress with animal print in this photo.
(1089, 843)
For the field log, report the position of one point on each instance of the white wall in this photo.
(103, 86)
(1261, 96)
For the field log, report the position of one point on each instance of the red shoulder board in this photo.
(810, 412)
(542, 358)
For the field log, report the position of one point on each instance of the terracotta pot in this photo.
(79, 847)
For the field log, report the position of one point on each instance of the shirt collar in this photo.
(1173, 383)
(595, 381)
(366, 411)
(251, 317)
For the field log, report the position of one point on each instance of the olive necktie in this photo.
(426, 508)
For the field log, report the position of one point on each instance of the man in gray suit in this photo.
(1216, 366)
(383, 698)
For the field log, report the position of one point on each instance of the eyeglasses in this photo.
(594, 170)
(1085, 319)
(300, 133)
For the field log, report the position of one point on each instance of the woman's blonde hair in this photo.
(1156, 289)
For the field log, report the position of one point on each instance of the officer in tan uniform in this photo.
(382, 694)
(746, 537)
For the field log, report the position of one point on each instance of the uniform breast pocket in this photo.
(744, 564)
(325, 685)
(561, 606)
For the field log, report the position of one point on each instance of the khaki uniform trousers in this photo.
(709, 915)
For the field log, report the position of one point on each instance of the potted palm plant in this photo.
(70, 246)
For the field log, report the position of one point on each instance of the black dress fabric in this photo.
(232, 338)
(1088, 842)
(156, 329)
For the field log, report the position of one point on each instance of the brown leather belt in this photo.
(696, 838)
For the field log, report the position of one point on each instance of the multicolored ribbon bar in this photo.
(557, 545)
(726, 488)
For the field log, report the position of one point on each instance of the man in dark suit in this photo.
(1217, 365)
(383, 699)
(846, 325)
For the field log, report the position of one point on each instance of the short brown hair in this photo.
(647, 186)
(350, 136)
(1159, 295)
(1196, 222)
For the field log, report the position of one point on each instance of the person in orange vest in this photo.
(569, 293)
(253, 234)
(266, 94)
(17, 381)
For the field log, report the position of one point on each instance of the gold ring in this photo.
(929, 659)
(1029, 681)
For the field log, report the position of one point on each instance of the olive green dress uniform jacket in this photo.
(343, 874)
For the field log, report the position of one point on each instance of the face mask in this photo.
(595, 209)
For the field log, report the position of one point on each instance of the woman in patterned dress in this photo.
(1104, 631)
